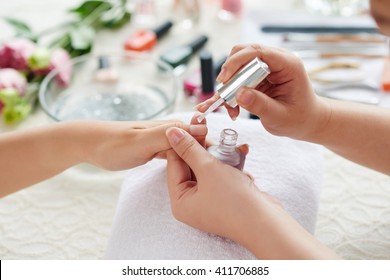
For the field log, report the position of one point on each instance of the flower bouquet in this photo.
(23, 65)
(24, 61)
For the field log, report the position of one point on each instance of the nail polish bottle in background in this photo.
(144, 13)
(144, 40)
(207, 77)
(227, 150)
(105, 73)
(230, 10)
(193, 82)
(178, 56)
(186, 13)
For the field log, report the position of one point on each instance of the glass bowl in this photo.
(129, 86)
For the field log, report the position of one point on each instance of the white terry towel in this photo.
(144, 227)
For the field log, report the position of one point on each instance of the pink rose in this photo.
(15, 53)
(10, 78)
(60, 60)
(5, 57)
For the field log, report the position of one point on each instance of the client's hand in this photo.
(217, 198)
(123, 145)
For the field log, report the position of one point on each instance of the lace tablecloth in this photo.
(70, 215)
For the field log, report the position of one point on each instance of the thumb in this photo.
(257, 103)
(187, 148)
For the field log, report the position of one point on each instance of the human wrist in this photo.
(73, 138)
(321, 118)
(274, 234)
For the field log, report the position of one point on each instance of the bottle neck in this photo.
(228, 141)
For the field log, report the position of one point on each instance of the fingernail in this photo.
(245, 97)
(221, 75)
(198, 130)
(175, 135)
(200, 106)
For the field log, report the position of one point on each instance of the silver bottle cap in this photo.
(249, 76)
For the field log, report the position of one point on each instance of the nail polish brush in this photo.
(250, 76)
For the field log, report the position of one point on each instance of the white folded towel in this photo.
(144, 227)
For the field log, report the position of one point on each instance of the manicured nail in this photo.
(245, 97)
(198, 130)
(221, 75)
(175, 135)
(200, 106)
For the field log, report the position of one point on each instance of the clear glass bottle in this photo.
(186, 13)
(227, 150)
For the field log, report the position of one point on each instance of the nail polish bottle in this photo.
(180, 55)
(193, 82)
(207, 77)
(186, 13)
(105, 73)
(144, 40)
(144, 12)
(227, 150)
(251, 75)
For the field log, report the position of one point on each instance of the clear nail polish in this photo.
(227, 150)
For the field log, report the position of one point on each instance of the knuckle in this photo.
(259, 49)
(187, 147)
(237, 48)
(178, 124)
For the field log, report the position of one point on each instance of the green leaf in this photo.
(88, 7)
(81, 37)
(115, 18)
(20, 27)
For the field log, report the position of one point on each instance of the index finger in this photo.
(276, 59)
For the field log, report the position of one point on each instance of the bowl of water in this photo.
(114, 87)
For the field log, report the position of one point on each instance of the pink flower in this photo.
(5, 57)
(60, 60)
(15, 53)
(10, 78)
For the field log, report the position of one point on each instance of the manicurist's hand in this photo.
(217, 198)
(284, 101)
(287, 106)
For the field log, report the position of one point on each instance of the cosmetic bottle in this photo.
(144, 13)
(193, 82)
(180, 55)
(186, 13)
(251, 75)
(144, 40)
(230, 10)
(227, 150)
(105, 73)
(207, 77)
